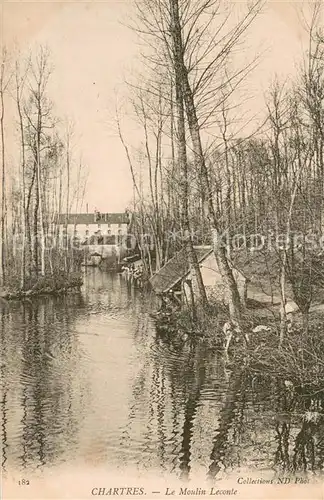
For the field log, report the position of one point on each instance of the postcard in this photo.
(161, 249)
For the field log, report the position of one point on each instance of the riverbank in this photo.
(298, 363)
(43, 285)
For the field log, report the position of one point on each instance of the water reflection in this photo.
(85, 379)
(41, 403)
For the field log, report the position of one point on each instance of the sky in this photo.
(93, 52)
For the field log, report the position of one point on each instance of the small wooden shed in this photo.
(177, 275)
(173, 272)
(213, 279)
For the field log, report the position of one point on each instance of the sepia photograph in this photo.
(162, 249)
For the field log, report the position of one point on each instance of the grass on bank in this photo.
(299, 362)
(58, 282)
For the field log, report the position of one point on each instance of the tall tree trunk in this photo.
(29, 248)
(67, 200)
(182, 153)
(3, 182)
(39, 182)
(219, 249)
(35, 222)
(23, 170)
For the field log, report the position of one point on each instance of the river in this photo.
(86, 381)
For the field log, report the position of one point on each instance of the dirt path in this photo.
(273, 302)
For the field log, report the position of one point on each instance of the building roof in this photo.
(94, 218)
(176, 269)
(132, 258)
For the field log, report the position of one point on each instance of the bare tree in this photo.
(190, 91)
(20, 80)
(4, 83)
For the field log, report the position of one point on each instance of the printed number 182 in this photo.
(23, 482)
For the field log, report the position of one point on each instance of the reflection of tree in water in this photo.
(231, 417)
(291, 424)
(320, 446)
(298, 430)
(175, 394)
(40, 355)
(304, 453)
(308, 445)
(238, 426)
(195, 378)
(167, 394)
(160, 391)
(282, 453)
(4, 392)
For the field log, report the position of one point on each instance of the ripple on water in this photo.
(85, 379)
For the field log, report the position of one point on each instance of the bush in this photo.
(300, 359)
